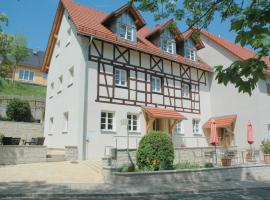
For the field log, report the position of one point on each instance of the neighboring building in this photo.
(30, 70)
(110, 76)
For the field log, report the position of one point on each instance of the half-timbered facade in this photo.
(112, 80)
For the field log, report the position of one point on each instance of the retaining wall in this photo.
(15, 154)
(71, 153)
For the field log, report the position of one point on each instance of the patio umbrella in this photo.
(250, 136)
(213, 136)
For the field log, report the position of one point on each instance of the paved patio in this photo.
(54, 172)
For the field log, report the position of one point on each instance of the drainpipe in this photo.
(85, 104)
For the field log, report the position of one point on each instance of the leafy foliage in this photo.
(187, 165)
(155, 152)
(249, 19)
(19, 111)
(265, 146)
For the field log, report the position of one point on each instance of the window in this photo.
(26, 75)
(185, 90)
(169, 46)
(196, 126)
(120, 77)
(178, 129)
(58, 48)
(52, 89)
(44, 76)
(127, 32)
(156, 84)
(69, 36)
(51, 126)
(268, 88)
(60, 84)
(65, 122)
(132, 123)
(191, 54)
(107, 121)
(71, 75)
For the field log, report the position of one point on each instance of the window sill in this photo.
(134, 132)
(121, 86)
(179, 134)
(108, 131)
(197, 134)
(154, 92)
(186, 98)
(70, 84)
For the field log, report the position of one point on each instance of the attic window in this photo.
(169, 46)
(190, 50)
(126, 32)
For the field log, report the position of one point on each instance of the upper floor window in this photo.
(26, 75)
(60, 83)
(169, 46)
(126, 27)
(156, 84)
(71, 75)
(190, 50)
(69, 36)
(185, 90)
(179, 128)
(120, 77)
(196, 126)
(126, 32)
(58, 48)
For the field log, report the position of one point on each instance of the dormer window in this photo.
(126, 32)
(169, 46)
(190, 50)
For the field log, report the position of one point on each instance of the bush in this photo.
(208, 165)
(265, 146)
(19, 111)
(126, 168)
(186, 165)
(155, 152)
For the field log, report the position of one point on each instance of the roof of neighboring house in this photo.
(34, 59)
(88, 21)
(163, 113)
(237, 50)
(222, 121)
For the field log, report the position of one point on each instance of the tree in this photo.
(19, 52)
(19, 111)
(249, 19)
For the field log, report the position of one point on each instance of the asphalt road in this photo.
(250, 194)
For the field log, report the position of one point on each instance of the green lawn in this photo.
(21, 89)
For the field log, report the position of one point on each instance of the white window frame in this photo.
(191, 54)
(185, 90)
(131, 124)
(179, 128)
(106, 123)
(122, 76)
(65, 122)
(154, 84)
(127, 32)
(71, 76)
(60, 84)
(196, 126)
(24, 75)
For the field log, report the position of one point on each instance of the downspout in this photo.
(85, 105)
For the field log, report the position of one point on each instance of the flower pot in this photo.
(267, 158)
(226, 161)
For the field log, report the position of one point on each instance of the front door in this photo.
(156, 125)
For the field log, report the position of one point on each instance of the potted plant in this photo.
(266, 150)
(226, 159)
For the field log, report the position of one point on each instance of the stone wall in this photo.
(15, 154)
(71, 153)
(243, 173)
(21, 129)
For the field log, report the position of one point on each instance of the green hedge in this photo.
(155, 152)
(19, 111)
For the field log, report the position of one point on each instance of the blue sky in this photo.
(34, 18)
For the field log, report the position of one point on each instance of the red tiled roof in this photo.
(237, 50)
(163, 113)
(221, 122)
(89, 21)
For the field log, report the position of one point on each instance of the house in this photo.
(112, 79)
(30, 69)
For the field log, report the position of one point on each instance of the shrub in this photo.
(208, 165)
(186, 165)
(155, 152)
(265, 146)
(126, 168)
(19, 111)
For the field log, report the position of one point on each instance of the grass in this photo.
(21, 89)
(187, 165)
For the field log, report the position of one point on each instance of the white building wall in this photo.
(70, 99)
(225, 100)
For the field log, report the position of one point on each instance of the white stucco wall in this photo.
(225, 100)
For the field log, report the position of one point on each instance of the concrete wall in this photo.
(21, 129)
(11, 154)
(71, 153)
(226, 100)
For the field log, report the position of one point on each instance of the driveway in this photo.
(54, 172)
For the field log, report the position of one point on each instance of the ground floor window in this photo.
(196, 126)
(107, 121)
(132, 123)
(178, 129)
(26, 75)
